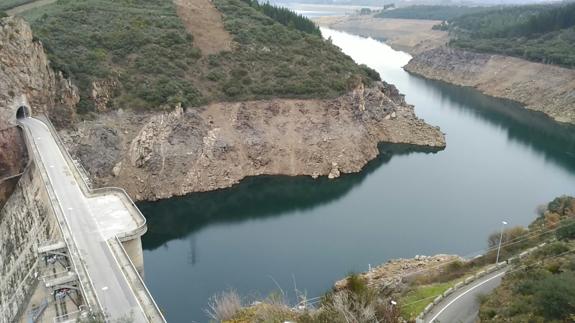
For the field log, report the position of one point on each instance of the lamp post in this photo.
(503, 223)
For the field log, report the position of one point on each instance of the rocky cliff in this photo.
(26, 79)
(156, 156)
(540, 87)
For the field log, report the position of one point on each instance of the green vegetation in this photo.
(143, 47)
(9, 4)
(414, 301)
(542, 288)
(427, 12)
(141, 43)
(286, 17)
(539, 33)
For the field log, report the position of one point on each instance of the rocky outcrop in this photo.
(397, 272)
(540, 87)
(26, 79)
(156, 156)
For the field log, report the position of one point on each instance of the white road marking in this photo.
(463, 294)
(105, 288)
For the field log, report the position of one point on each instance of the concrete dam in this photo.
(68, 252)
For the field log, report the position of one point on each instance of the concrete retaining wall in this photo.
(26, 221)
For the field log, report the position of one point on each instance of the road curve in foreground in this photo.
(463, 306)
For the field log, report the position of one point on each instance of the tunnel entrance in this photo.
(23, 112)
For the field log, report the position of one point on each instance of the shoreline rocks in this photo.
(216, 146)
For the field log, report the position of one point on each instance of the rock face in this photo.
(26, 79)
(156, 156)
(541, 87)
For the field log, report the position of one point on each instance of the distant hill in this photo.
(539, 33)
(428, 12)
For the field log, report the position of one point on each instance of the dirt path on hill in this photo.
(205, 23)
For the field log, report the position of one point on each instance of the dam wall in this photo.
(27, 221)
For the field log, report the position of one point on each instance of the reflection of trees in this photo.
(255, 197)
(556, 141)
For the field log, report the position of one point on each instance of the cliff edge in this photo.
(540, 87)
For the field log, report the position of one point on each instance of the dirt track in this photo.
(204, 22)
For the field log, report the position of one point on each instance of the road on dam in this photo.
(84, 216)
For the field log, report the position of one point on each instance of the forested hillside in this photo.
(142, 51)
(538, 33)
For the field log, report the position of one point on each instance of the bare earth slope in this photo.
(541, 87)
(157, 156)
(204, 22)
(409, 35)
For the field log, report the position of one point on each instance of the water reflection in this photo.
(253, 198)
(556, 141)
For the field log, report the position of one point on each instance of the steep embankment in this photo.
(26, 79)
(540, 87)
(157, 156)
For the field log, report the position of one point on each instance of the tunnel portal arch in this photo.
(23, 112)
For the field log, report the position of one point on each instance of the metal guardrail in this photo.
(79, 266)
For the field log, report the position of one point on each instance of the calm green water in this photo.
(500, 163)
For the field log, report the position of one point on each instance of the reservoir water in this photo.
(500, 163)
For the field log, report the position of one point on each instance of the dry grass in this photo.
(224, 306)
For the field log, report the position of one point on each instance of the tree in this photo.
(555, 296)
(566, 231)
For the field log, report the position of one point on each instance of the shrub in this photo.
(566, 231)
(356, 284)
(555, 295)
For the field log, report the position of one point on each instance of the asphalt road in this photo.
(112, 288)
(463, 305)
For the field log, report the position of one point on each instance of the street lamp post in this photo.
(503, 223)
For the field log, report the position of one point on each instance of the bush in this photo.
(356, 284)
(566, 231)
(554, 296)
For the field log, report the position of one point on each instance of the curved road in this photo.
(463, 306)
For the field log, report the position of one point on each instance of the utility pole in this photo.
(503, 223)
